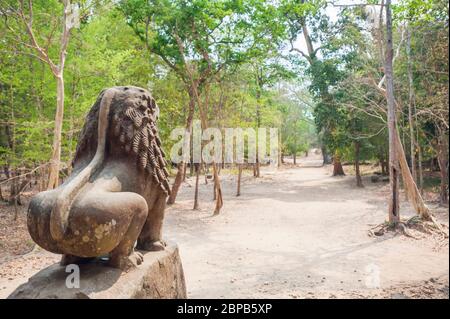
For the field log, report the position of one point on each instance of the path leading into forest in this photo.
(300, 233)
(294, 233)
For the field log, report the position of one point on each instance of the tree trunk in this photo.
(42, 181)
(442, 156)
(258, 121)
(238, 192)
(182, 166)
(184, 173)
(13, 189)
(217, 191)
(177, 183)
(256, 170)
(384, 169)
(410, 110)
(53, 178)
(357, 171)
(191, 161)
(18, 189)
(325, 156)
(411, 188)
(57, 71)
(295, 158)
(280, 152)
(16, 209)
(394, 205)
(197, 177)
(205, 171)
(419, 151)
(337, 165)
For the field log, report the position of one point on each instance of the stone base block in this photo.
(159, 276)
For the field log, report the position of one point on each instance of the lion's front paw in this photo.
(126, 262)
(152, 246)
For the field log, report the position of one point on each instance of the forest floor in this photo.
(296, 232)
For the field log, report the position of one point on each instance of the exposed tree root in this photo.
(410, 226)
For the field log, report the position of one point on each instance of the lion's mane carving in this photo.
(134, 126)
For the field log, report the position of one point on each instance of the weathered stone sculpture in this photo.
(117, 191)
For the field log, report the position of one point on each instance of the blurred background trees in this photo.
(313, 69)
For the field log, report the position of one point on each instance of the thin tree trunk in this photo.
(184, 173)
(410, 110)
(13, 189)
(53, 178)
(12, 145)
(42, 181)
(419, 156)
(71, 121)
(16, 209)
(182, 166)
(295, 158)
(442, 156)
(394, 204)
(280, 153)
(15, 198)
(191, 161)
(57, 71)
(325, 156)
(411, 188)
(256, 167)
(258, 120)
(420, 160)
(218, 191)
(238, 192)
(197, 177)
(384, 170)
(205, 171)
(383, 167)
(357, 170)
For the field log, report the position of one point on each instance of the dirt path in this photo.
(294, 233)
(301, 233)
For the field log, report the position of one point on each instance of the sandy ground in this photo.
(294, 233)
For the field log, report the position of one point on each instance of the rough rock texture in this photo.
(159, 276)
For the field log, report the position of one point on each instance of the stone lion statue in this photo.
(117, 191)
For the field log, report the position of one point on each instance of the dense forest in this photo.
(363, 82)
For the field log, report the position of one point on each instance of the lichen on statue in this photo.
(117, 191)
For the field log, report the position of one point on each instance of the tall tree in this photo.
(394, 200)
(23, 14)
(322, 68)
(198, 40)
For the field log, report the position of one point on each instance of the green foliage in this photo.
(240, 50)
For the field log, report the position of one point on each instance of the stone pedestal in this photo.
(159, 276)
